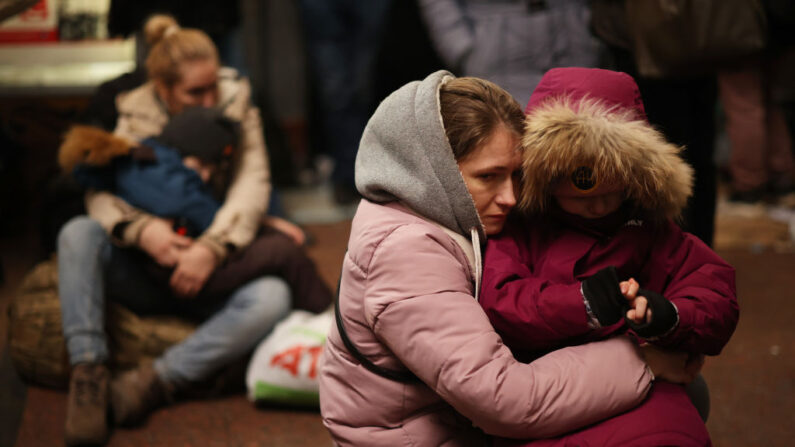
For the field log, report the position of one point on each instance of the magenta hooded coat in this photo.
(533, 271)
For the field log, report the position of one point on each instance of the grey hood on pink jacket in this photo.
(407, 302)
(404, 156)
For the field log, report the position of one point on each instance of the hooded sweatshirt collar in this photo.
(404, 156)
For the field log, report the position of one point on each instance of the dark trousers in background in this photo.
(342, 39)
(684, 111)
(271, 253)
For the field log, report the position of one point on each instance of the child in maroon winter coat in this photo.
(597, 252)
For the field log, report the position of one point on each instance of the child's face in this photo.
(204, 169)
(591, 206)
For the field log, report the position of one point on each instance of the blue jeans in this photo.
(250, 313)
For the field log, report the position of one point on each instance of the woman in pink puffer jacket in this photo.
(421, 365)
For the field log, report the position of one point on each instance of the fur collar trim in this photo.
(563, 135)
(92, 146)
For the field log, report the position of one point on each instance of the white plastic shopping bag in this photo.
(285, 366)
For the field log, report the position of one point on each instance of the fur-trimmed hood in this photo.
(593, 118)
(91, 146)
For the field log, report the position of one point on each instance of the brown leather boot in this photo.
(135, 393)
(87, 405)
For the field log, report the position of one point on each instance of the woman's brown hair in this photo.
(170, 46)
(472, 109)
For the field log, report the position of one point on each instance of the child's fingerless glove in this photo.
(664, 316)
(603, 294)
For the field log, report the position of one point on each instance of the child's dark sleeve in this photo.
(702, 287)
(530, 313)
(94, 177)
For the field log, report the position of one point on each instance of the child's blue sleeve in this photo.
(167, 189)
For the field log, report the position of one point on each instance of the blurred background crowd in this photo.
(717, 77)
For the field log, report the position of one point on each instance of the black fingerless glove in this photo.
(663, 316)
(604, 296)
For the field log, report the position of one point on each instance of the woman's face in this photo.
(491, 173)
(197, 86)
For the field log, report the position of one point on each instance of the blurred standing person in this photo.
(343, 38)
(684, 109)
(511, 43)
(761, 159)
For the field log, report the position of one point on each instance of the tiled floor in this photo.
(752, 383)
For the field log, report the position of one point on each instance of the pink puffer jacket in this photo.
(407, 302)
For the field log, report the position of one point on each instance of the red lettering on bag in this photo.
(315, 352)
(290, 359)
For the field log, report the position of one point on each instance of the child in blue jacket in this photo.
(176, 175)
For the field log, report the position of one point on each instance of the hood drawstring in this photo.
(478, 260)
